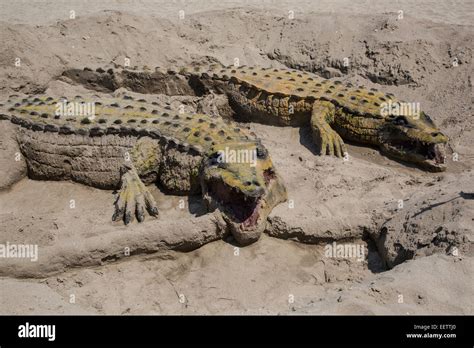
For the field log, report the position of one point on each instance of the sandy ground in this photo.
(419, 258)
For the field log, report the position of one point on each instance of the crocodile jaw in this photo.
(250, 230)
(245, 215)
(429, 156)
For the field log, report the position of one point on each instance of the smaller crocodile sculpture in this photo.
(131, 142)
(334, 110)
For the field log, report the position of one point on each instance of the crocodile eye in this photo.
(401, 121)
(261, 153)
(214, 159)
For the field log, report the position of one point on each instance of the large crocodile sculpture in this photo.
(334, 110)
(128, 143)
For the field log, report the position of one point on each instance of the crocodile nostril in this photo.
(435, 134)
(256, 183)
(247, 183)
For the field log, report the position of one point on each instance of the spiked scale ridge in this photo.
(303, 85)
(125, 116)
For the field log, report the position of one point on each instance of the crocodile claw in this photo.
(329, 141)
(133, 199)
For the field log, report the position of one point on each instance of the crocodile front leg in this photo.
(133, 198)
(329, 142)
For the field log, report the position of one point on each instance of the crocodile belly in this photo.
(93, 161)
(254, 105)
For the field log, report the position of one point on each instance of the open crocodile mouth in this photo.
(241, 208)
(431, 155)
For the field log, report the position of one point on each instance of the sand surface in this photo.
(418, 259)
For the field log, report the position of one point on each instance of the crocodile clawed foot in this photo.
(133, 199)
(330, 143)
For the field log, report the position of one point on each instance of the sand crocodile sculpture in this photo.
(132, 143)
(283, 97)
(129, 142)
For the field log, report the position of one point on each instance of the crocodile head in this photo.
(240, 181)
(414, 139)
